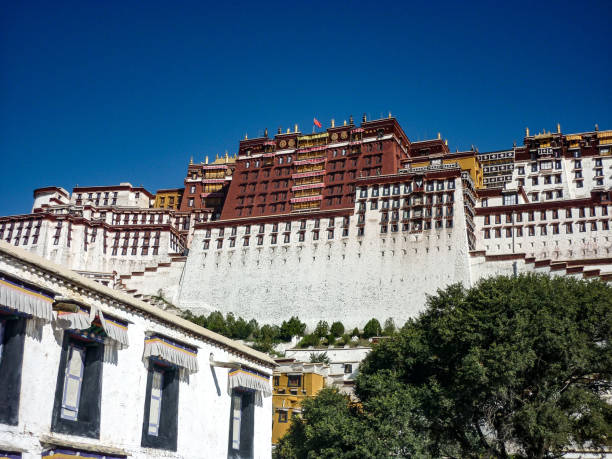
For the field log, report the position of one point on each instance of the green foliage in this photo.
(372, 328)
(321, 357)
(215, 322)
(511, 363)
(389, 327)
(337, 329)
(322, 329)
(309, 340)
(355, 332)
(346, 339)
(516, 366)
(292, 327)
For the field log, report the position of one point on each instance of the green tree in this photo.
(513, 367)
(320, 357)
(215, 322)
(292, 327)
(309, 340)
(389, 327)
(337, 329)
(330, 427)
(355, 332)
(242, 329)
(372, 328)
(322, 329)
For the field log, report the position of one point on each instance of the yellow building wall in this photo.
(162, 200)
(312, 383)
(465, 164)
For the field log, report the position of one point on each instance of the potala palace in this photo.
(350, 223)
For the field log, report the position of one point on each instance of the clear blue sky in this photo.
(96, 93)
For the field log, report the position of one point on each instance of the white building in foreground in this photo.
(87, 371)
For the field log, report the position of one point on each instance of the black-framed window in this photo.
(294, 380)
(160, 424)
(12, 338)
(242, 419)
(78, 393)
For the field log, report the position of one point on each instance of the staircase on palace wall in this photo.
(586, 268)
(157, 284)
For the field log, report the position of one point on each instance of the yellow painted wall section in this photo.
(284, 399)
(162, 200)
(466, 164)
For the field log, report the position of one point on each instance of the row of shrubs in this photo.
(265, 337)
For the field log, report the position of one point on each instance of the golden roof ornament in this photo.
(558, 128)
(526, 132)
(191, 160)
(206, 159)
(296, 127)
(333, 123)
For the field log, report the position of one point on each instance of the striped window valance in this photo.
(22, 298)
(10, 455)
(307, 199)
(172, 351)
(247, 378)
(61, 453)
(83, 318)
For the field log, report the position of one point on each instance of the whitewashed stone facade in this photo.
(204, 406)
(343, 277)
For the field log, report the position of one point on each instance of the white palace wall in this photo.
(350, 279)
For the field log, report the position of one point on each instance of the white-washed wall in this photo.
(204, 407)
(351, 279)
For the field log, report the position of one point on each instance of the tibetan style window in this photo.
(88, 333)
(166, 360)
(19, 303)
(246, 387)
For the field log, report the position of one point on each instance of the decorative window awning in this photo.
(307, 150)
(308, 174)
(310, 186)
(10, 455)
(73, 316)
(20, 297)
(61, 453)
(248, 378)
(301, 162)
(171, 351)
(307, 199)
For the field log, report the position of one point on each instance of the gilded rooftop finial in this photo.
(439, 136)
(558, 128)
(333, 123)
(206, 159)
(596, 127)
(390, 114)
(296, 127)
(246, 136)
(345, 122)
(266, 132)
(191, 160)
(526, 132)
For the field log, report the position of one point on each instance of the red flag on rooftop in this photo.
(316, 122)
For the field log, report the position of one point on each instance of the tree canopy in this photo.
(513, 367)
